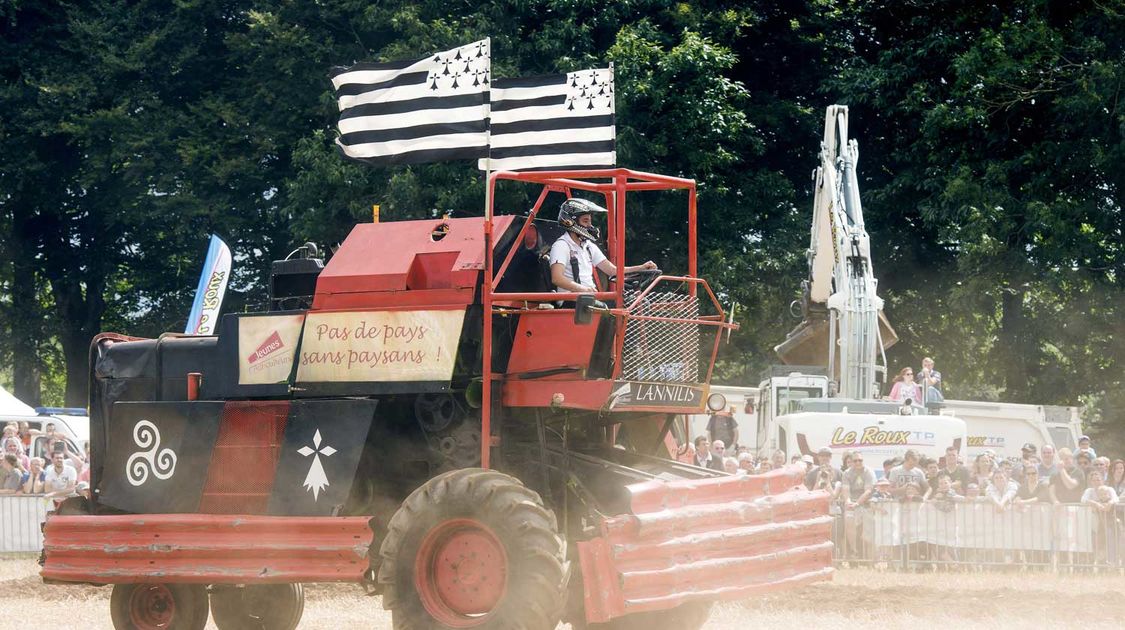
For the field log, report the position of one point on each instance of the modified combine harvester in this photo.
(423, 415)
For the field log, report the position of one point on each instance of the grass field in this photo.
(857, 598)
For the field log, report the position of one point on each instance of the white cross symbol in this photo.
(316, 480)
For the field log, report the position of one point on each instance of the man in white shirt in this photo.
(61, 478)
(574, 255)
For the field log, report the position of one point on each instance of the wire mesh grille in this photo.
(244, 460)
(662, 351)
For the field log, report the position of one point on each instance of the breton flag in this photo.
(408, 112)
(553, 122)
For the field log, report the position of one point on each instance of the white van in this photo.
(72, 422)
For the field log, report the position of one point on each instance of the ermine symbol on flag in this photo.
(553, 121)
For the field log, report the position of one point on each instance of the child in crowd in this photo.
(972, 492)
(943, 495)
(913, 493)
(882, 490)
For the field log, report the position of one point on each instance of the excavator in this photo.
(826, 395)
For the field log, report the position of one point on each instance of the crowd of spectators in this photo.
(1042, 475)
(715, 454)
(61, 473)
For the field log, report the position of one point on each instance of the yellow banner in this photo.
(375, 346)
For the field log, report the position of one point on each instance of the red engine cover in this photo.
(406, 263)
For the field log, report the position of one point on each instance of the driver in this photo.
(574, 255)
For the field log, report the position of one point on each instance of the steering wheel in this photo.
(640, 279)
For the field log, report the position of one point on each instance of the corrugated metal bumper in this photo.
(205, 549)
(710, 539)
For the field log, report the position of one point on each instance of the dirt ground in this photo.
(855, 599)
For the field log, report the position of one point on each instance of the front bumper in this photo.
(704, 540)
(204, 549)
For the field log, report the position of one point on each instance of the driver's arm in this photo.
(558, 278)
(610, 269)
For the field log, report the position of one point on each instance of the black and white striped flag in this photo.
(408, 112)
(553, 122)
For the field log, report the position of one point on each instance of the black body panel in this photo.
(328, 435)
(158, 455)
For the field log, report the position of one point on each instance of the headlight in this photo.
(716, 402)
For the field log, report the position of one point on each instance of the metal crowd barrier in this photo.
(975, 534)
(20, 521)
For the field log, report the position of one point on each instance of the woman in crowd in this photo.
(13, 446)
(11, 434)
(778, 459)
(904, 386)
(1099, 495)
(35, 480)
(10, 474)
(1117, 477)
(982, 470)
(1001, 491)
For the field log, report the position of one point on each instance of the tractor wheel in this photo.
(684, 617)
(158, 606)
(258, 606)
(473, 548)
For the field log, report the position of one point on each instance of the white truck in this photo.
(1005, 427)
(796, 414)
(768, 416)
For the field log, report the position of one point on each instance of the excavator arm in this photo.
(843, 325)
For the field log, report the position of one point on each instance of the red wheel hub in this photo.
(461, 572)
(151, 606)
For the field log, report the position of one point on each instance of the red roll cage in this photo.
(613, 184)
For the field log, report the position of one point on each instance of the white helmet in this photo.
(573, 208)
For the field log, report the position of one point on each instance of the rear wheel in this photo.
(473, 548)
(158, 606)
(258, 606)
